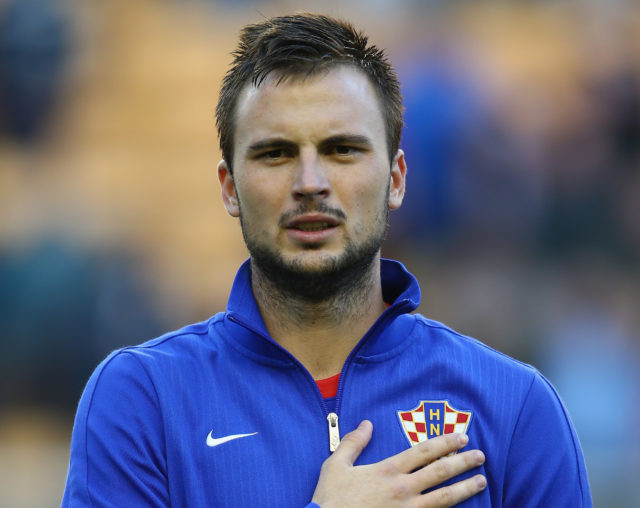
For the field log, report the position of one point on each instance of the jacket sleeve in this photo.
(117, 446)
(545, 466)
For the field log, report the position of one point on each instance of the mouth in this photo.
(312, 222)
(312, 226)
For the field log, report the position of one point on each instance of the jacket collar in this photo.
(247, 331)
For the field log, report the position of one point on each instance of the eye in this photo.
(344, 150)
(274, 154)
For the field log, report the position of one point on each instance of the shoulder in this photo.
(138, 366)
(190, 336)
(187, 341)
(440, 339)
(501, 384)
(503, 380)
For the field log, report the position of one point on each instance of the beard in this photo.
(333, 276)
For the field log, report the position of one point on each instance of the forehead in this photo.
(339, 99)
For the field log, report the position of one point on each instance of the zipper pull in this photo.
(334, 432)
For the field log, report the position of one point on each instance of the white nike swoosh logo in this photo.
(213, 441)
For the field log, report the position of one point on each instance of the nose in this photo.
(311, 178)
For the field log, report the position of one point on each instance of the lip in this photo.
(315, 235)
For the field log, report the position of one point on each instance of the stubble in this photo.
(336, 284)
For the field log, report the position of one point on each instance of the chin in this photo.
(316, 272)
(312, 262)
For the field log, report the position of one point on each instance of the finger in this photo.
(426, 452)
(453, 494)
(445, 469)
(353, 443)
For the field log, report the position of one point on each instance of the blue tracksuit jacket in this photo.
(219, 415)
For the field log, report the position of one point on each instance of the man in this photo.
(247, 408)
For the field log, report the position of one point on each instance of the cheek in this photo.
(369, 196)
(261, 204)
(260, 193)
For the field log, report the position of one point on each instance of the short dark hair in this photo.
(302, 45)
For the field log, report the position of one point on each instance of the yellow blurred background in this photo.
(522, 218)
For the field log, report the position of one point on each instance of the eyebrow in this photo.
(347, 139)
(265, 144)
(339, 139)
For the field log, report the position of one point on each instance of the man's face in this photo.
(312, 182)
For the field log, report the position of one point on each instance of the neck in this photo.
(320, 333)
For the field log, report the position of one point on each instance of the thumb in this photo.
(353, 443)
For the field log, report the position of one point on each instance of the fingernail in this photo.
(478, 457)
(481, 482)
(463, 439)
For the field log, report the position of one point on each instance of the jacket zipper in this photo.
(332, 418)
(334, 432)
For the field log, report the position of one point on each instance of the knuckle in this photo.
(436, 447)
(452, 442)
(389, 468)
(426, 451)
(446, 496)
(400, 491)
(442, 469)
(351, 439)
(329, 464)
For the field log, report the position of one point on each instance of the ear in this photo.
(229, 197)
(398, 179)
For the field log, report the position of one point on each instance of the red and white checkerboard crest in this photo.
(432, 418)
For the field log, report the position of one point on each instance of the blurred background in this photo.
(522, 216)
